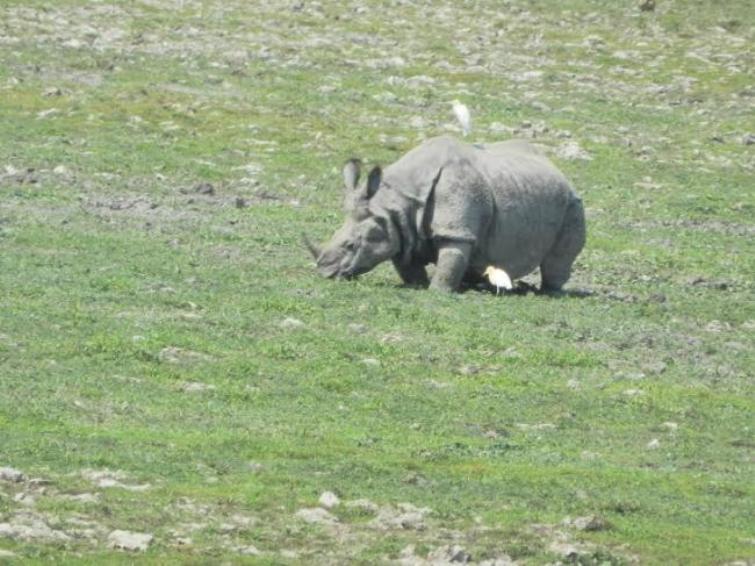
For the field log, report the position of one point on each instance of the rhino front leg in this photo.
(453, 260)
(413, 274)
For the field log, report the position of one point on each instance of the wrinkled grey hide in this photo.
(462, 207)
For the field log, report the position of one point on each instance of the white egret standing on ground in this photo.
(462, 115)
(499, 278)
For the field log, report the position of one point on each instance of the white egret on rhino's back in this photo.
(462, 115)
(499, 278)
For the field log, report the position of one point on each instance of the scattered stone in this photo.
(291, 323)
(670, 426)
(31, 528)
(328, 499)
(469, 369)
(52, 91)
(248, 550)
(653, 444)
(84, 498)
(567, 550)
(536, 426)
(61, 170)
(316, 515)
(647, 5)
(7, 554)
(204, 188)
(109, 478)
(11, 475)
(571, 150)
(127, 540)
(500, 560)
(363, 505)
(175, 355)
(454, 554)
(357, 328)
(403, 516)
(25, 499)
(415, 478)
(587, 523)
(748, 139)
(196, 387)
(47, 113)
(371, 362)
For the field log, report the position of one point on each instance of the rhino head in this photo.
(365, 239)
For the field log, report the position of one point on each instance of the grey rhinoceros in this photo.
(463, 207)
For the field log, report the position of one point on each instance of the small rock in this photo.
(588, 523)
(248, 550)
(371, 362)
(127, 540)
(328, 499)
(670, 426)
(52, 91)
(469, 369)
(357, 328)
(84, 498)
(566, 550)
(204, 188)
(656, 367)
(647, 5)
(47, 113)
(61, 170)
(653, 444)
(7, 554)
(404, 516)
(241, 202)
(175, 355)
(11, 475)
(196, 387)
(31, 528)
(748, 139)
(453, 554)
(572, 150)
(316, 515)
(291, 323)
(25, 499)
(363, 505)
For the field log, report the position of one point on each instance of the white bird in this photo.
(462, 115)
(499, 278)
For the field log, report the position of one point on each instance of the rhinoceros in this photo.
(463, 207)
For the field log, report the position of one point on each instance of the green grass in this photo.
(504, 416)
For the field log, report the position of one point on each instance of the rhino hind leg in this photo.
(555, 269)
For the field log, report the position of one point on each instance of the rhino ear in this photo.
(351, 172)
(373, 181)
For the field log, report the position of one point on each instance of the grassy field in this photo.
(172, 365)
